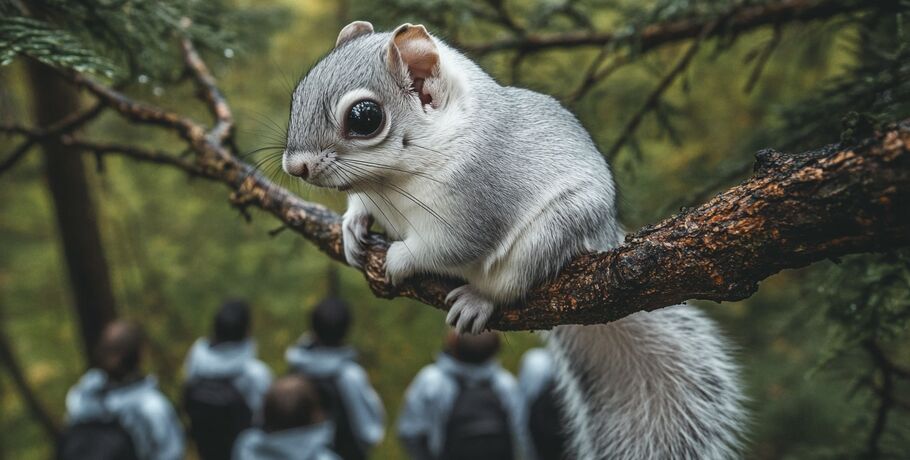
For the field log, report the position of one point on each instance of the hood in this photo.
(295, 443)
(470, 372)
(93, 397)
(318, 361)
(223, 359)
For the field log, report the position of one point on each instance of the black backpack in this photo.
(345, 444)
(217, 413)
(478, 427)
(96, 440)
(545, 422)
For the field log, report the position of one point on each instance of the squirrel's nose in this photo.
(295, 165)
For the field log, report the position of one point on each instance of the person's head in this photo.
(292, 401)
(473, 348)
(232, 322)
(330, 321)
(119, 351)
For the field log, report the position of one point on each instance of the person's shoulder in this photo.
(536, 358)
(155, 405)
(327, 454)
(249, 436)
(353, 371)
(536, 364)
(505, 379)
(431, 376)
(90, 382)
(245, 443)
(257, 369)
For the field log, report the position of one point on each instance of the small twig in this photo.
(763, 59)
(17, 154)
(29, 398)
(33, 135)
(277, 230)
(209, 91)
(741, 18)
(16, 130)
(594, 76)
(656, 94)
(886, 400)
(505, 18)
(133, 152)
(137, 111)
(515, 66)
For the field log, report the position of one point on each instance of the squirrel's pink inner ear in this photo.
(413, 47)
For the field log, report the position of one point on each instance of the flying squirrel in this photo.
(500, 187)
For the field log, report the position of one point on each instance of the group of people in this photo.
(462, 406)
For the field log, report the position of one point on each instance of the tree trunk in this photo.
(53, 99)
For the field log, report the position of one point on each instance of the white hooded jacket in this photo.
(304, 443)
(431, 396)
(364, 408)
(141, 409)
(251, 377)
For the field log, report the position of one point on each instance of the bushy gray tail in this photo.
(654, 385)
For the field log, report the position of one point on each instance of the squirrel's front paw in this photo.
(470, 311)
(354, 230)
(398, 264)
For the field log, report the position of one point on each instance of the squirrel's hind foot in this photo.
(470, 311)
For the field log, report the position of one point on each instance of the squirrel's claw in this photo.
(470, 312)
(354, 230)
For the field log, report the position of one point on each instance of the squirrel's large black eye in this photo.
(364, 119)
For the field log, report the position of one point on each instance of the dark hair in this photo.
(291, 402)
(475, 349)
(119, 351)
(330, 320)
(232, 322)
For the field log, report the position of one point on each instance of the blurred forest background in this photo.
(824, 350)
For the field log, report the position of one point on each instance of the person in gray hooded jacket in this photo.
(231, 352)
(223, 371)
(351, 402)
(436, 405)
(544, 414)
(117, 388)
(294, 426)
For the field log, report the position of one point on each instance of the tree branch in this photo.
(29, 398)
(132, 152)
(135, 111)
(33, 135)
(208, 88)
(886, 400)
(658, 91)
(794, 210)
(742, 18)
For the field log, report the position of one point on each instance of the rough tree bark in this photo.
(796, 209)
(54, 99)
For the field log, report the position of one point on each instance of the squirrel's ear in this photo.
(352, 31)
(412, 49)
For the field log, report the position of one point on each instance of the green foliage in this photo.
(177, 249)
(39, 40)
(128, 38)
(874, 93)
(867, 298)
